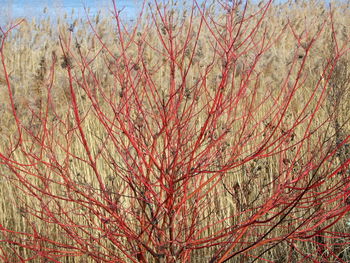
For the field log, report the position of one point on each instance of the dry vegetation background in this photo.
(35, 199)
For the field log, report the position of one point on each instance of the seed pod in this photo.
(139, 121)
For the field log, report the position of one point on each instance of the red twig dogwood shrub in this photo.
(178, 140)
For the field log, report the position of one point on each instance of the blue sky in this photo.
(11, 9)
(34, 8)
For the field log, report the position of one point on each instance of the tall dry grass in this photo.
(37, 70)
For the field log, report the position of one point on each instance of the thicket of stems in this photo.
(186, 153)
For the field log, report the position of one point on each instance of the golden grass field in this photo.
(52, 160)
